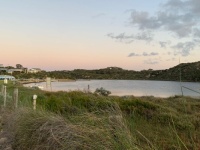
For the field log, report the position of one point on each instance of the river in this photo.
(129, 87)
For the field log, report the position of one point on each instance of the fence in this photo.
(6, 98)
(11, 98)
(189, 90)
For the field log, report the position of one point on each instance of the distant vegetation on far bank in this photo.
(189, 72)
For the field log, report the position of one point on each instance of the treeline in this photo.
(187, 71)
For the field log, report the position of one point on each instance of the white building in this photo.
(34, 70)
(2, 77)
(14, 70)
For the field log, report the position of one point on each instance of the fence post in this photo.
(34, 101)
(15, 97)
(182, 90)
(4, 96)
(2, 89)
(88, 88)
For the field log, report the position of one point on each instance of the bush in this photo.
(102, 91)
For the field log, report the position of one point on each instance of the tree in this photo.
(19, 66)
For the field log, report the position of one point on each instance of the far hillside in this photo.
(188, 71)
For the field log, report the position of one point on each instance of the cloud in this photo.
(197, 41)
(143, 54)
(150, 54)
(197, 32)
(145, 36)
(163, 44)
(174, 4)
(133, 54)
(175, 16)
(144, 21)
(184, 48)
(181, 25)
(191, 6)
(121, 36)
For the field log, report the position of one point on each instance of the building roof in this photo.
(2, 77)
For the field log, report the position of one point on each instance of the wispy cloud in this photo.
(150, 54)
(123, 37)
(133, 54)
(143, 54)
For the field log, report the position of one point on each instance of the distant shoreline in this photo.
(28, 81)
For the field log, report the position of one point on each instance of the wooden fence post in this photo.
(2, 89)
(4, 96)
(88, 88)
(34, 102)
(15, 97)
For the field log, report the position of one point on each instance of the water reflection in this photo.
(129, 87)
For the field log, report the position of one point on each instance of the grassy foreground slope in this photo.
(77, 120)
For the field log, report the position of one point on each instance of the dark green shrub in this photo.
(102, 91)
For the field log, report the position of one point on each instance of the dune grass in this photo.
(48, 131)
(78, 120)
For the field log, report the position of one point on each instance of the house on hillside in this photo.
(34, 70)
(14, 70)
(9, 69)
(3, 69)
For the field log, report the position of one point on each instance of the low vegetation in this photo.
(78, 120)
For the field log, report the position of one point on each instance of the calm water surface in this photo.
(129, 87)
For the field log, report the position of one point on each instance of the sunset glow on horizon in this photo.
(67, 35)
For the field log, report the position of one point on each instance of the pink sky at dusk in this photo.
(68, 35)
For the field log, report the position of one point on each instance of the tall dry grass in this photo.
(42, 130)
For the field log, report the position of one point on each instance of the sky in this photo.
(94, 34)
